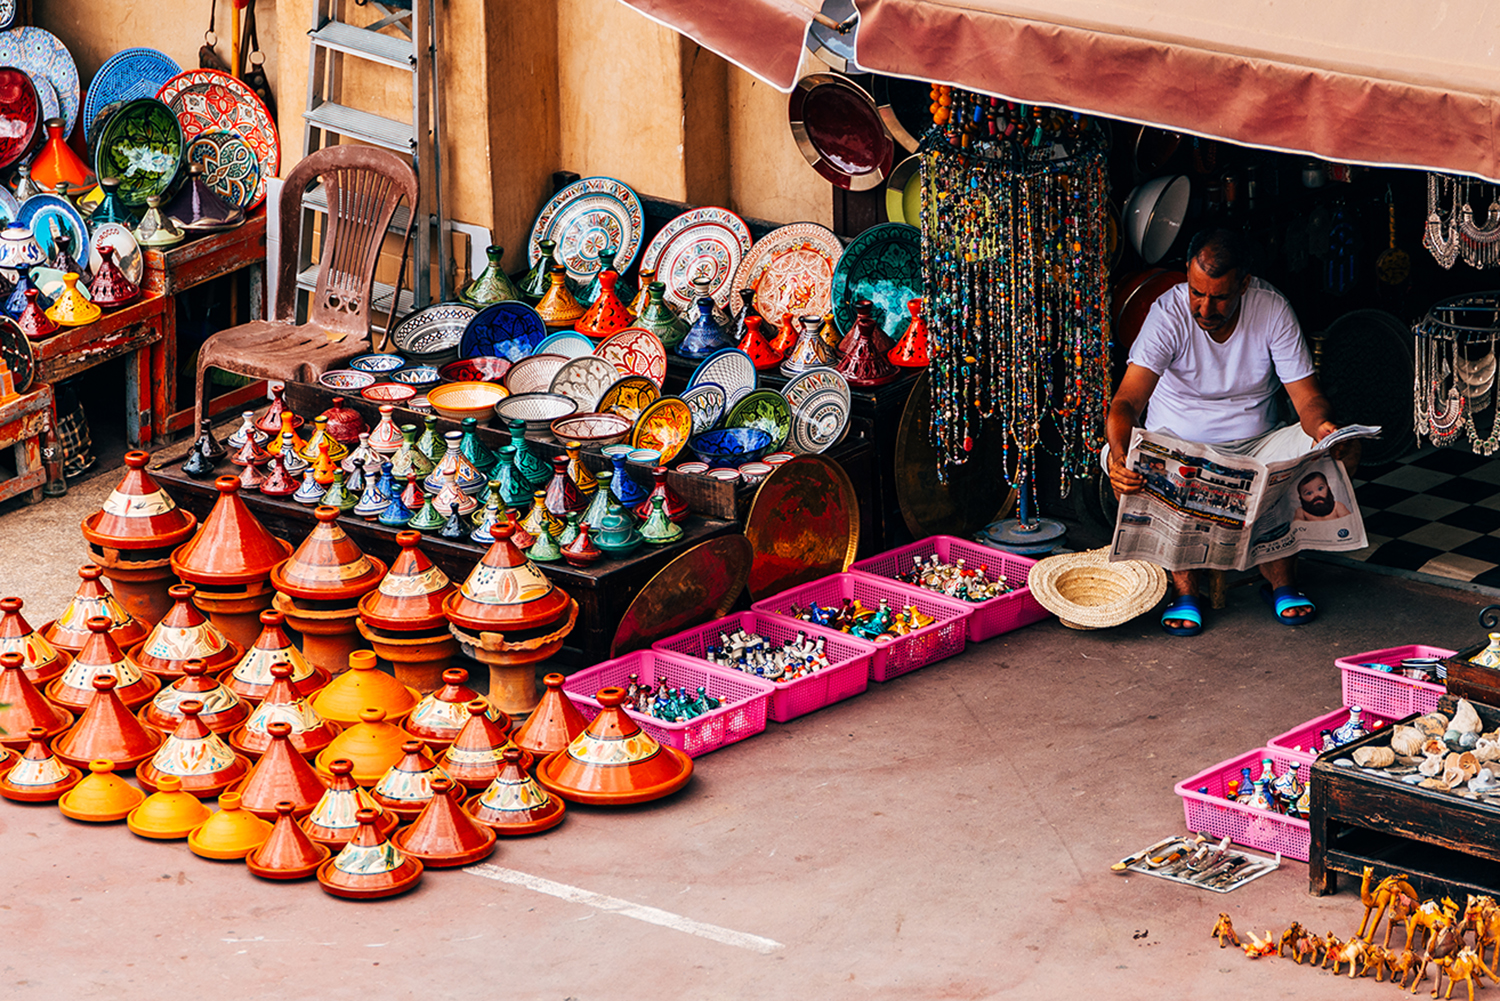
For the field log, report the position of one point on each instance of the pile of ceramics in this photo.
(316, 767)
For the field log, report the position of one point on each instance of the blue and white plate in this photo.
(377, 364)
(51, 108)
(41, 54)
(504, 330)
(47, 216)
(730, 368)
(565, 342)
(125, 76)
(590, 217)
(706, 401)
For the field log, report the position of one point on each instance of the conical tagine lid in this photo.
(222, 709)
(332, 820)
(365, 686)
(443, 835)
(328, 566)
(39, 659)
(196, 756)
(38, 777)
(70, 631)
(74, 688)
(281, 774)
(406, 786)
(107, 730)
(410, 597)
(22, 707)
(251, 678)
(553, 724)
(232, 548)
(369, 866)
(102, 796)
(505, 591)
(372, 744)
(167, 814)
(614, 761)
(514, 804)
(478, 753)
(288, 853)
(310, 732)
(184, 634)
(231, 833)
(440, 715)
(138, 514)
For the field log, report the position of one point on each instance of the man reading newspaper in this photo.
(1208, 367)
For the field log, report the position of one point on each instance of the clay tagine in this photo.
(168, 814)
(230, 561)
(194, 755)
(614, 762)
(310, 732)
(331, 821)
(222, 709)
(288, 853)
(133, 534)
(184, 635)
(443, 834)
(23, 707)
(911, 350)
(513, 804)
(281, 774)
(317, 588)
(40, 660)
(555, 724)
(403, 617)
(252, 677)
(369, 866)
(406, 786)
(862, 357)
(372, 744)
(107, 730)
(38, 776)
(70, 631)
(364, 686)
(476, 756)
(102, 796)
(675, 508)
(438, 718)
(74, 689)
(231, 833)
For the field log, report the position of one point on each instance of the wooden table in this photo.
(24, 419)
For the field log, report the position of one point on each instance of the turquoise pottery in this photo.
(142, 145)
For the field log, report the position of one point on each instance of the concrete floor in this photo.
(946, 835)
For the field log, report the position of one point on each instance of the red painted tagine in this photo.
(403, 617)
(184, 635)
(70, 631)
(317, 589)
(614, 762)
(39, 659)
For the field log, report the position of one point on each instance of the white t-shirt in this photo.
(1210, 392)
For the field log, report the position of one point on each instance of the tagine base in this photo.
(236, 615)
(552, 762)
(417, 661)
(373, 892)
(471, 807)
(141, 588)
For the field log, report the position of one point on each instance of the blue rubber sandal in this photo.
(1284, 599)
(1184, 608)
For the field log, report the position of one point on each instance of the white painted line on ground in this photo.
(640, 912)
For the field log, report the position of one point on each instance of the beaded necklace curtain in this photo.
(1016, 277)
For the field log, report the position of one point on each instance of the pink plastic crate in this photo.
(847, 673)
(988, 618)
(742, 715)
(1252, 828)
(1299, 741)
(1390, 695)
(928, 645)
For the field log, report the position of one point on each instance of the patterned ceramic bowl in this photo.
(727, 475)
(457, 400)
(753, 472)
(346, 379)
(692, 467)
(610, 451)
(430, 336)
(377, 364)
(485, 368)
(644, 456)
(592, 429)
(418, 377)
(538, 410)
(730, 448)
(777, 458)
(388, 392)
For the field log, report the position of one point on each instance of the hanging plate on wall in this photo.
(790, 270)
(125, 76)
(210, 101)
(882, 264)
(706, 242)
(835, 48)
(839, 132)
(905, 108)
(586, 219)
(40, 53)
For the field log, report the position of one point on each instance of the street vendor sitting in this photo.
(1210, 360)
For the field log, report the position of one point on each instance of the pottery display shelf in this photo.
(24, 421)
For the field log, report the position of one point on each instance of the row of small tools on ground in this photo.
(1198, 861)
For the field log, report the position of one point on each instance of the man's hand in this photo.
(1122, 478)
(1345, 452)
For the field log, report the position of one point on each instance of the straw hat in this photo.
(1086, 591)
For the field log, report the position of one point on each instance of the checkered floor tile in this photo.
(1437, 511)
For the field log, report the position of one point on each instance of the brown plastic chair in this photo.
(364, 185)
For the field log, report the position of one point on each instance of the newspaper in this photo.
(1202, 508)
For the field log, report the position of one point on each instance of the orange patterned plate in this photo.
(664, 426)
(629, 397)
(791, 270)
(635, 351)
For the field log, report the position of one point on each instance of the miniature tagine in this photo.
(911, 350)
(288, 853)
(194, 755)
(230, 562)
(862, 356)
(71, 308)
(555, 724)
(222, 709)
(442, 713)
(132, 535)
(443, 834)
(38, 776)
(511, 616)
(476, 754)
(810, 351)
(102, 796)
(169, 814)
(317, 588)
(331, 822)
(492, 284)
(252, 677)
(184, 635)
(372, 744)
(230, 833)
(754, 344)
(23, 707)
(403, 617)
(107, 729)
(369, 866)
(614, 762)
(513, 804)
(608, 314)
(365, 686)
(111, 288)
(70, 630)
(40, 660)
(281, 774)
(310, 732)
(406, 786)
(557, 308)
(74, 688)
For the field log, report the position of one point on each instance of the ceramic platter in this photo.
(507, 329)
(791, 271)
(765, 409)
(125, 76)
(142, 144)
(570, 343)
(729, 368)
(820, 422)
(587, 218)
(9, 207)
(800, 389)
(47, 216)
(538, 410)
(7, 13)
(48, 97)
(635, 351)
(534, 374)
(128, 257)
(882, 264)
(584, 380)
(706, 401)
(838, 129)
(433, 329)
(705, 242)
(45, 58)
(629, 397)
(665, 426)
(20, 117)
(230, 166)
(210, 101)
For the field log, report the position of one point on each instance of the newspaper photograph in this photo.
(1205, 509)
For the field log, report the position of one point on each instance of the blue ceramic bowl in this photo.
(730, 448)
(377, 364)
(418, 377)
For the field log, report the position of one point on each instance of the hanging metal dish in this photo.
(803, 524)
(700, 585)
(903, 192)
(833, 42)
(905, 108)
(839, 131)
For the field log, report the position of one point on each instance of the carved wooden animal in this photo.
(1483, 915)
(1356, 953)
(1259, 947)
(1377, 900)
(1331, 948)
(1224, 931)
(1444, 943)
(1400, 966)
(1402, 908)
(1307, 944)
(1376, 958)
(1289, 939)
(1430, 917)
(1464, 967)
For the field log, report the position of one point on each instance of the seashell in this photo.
(1453, 776)
(1466, 718)
(1434, 745)
(1487, 749)
(1406, 740)
(1450, 736)
(1468, 741)
(1374, 757)
(1433, 766)
(1469, 763)
(1433, 724)
(1437, 784)
(1412, 780)
(1483, 782)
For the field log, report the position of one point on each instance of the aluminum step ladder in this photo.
(327, 120)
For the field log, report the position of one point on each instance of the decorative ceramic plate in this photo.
(432, 329)
(820, 422)
(635, 351)
(838, 130)
(629, 397)
(48, 96)
(128, 257)
(7, 13)
(378, 364)
(388, 392)
(20, 116)
(538, 410)
(882, 264)
(534, 374)
(791, 271)
(481, 368)
(210, 101)
(230, 166)
(143, 146)
(50, 281)
(47, 216)
(125, 76)
(731, 369)
(40, 53)
(584, 380)
(346, 378)
(507, 329)
(417, 376)
(765, 409)
(9, 207)
(800, 389)
(592, 429)
(665, 426)
(705, 242)
(706, 401)
(566, 342)
(587, 218)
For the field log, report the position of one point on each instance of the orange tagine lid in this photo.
(70, 631)
(232, 548)
(614, 761)
(443, 834)
(138, 514)
(369, 866)
(514, 804)
(281, 774)
(288, 853)
(23, 707)
(38, 777)
(410, 597)
(184, 634)
(222, 709)
(107, 730)
(102, 796)
(364, 686)
(310, 732)
(505, 591)
(39, 659)
(74, 688)
(328, 566)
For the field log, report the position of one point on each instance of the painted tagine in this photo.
(403, 617)
(614, 762)
(38, 776)
(252, 677)
(194, 755)
(438, 718)
(222, 709)
(317, 588)
(476, 756)
(184, 635)
(132, 537)
(513, 804)
(70, 630)
(310, 732)
(40, 660)
(74, 688)
(369, 866)
(331, 822)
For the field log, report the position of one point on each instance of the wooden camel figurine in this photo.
(1307, 944)
(1332, 946)
(1403, 906)
(1442, 944)
(1289, 939)
(1483, 915)
(1400, 966)
(1430, 917)
(1377, 958)
(1224, 931)
(1376, 901)
(1259, 947)
(1466, 967)
(1356, 952)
